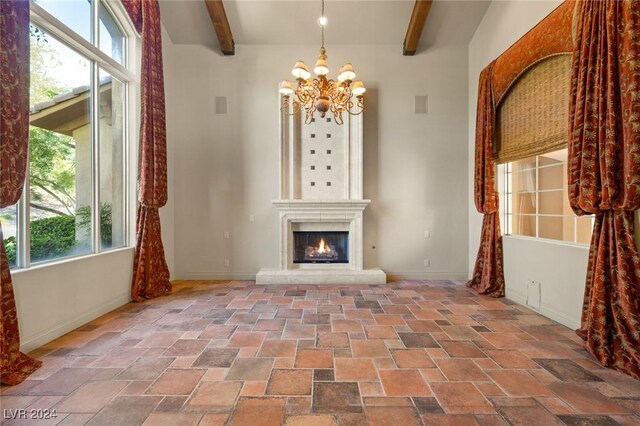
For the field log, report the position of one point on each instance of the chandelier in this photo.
(321, 94)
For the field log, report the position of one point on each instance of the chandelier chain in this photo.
(322, 26)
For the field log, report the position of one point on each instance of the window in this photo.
(75, 198)
(536, 202)
(8, 220)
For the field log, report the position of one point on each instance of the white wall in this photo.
(55, 299)
(226, 166)
(560, 268)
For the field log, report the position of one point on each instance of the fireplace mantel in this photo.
(326, 205)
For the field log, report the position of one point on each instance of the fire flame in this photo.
(321, 247)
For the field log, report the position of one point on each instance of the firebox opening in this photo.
(321, 247)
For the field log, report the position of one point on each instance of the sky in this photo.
(76, 14)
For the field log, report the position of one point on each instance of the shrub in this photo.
(10, 247)
(56, 236)
(52, 237)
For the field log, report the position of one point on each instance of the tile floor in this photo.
(406, 353)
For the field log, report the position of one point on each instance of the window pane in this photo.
(111, 37)
(523, 203)
(524, 225)
(550, 227)
(76, 14)
(523, 187)
(551, 202)
(584, 229)
(552, 177)
(555, 157)
(111, 128)
(8, 220)
(568, 228)
(527, 163)
(60, 150)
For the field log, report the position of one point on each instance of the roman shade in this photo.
(533, 116)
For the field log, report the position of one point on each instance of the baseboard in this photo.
(240, 276)
(552, 314)
(31, 343)
(453, 276)
(391, 276)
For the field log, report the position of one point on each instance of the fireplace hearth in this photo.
(320, 247)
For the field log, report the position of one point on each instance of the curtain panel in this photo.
(15, 366)
(604, 174)
(488, 276)
(150, 271)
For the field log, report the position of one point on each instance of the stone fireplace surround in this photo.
(320, 190)
(310, 215)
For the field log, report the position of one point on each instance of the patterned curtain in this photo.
(488, 277)
(15, 366)
(604, 174)
(150, 271)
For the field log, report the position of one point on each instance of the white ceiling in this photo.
(352, 22)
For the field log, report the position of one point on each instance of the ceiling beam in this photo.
(416, 25)
(221, 25)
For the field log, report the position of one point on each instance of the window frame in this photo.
(128, 74)
(506, 193)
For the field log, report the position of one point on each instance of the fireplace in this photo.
(320, 204)
(321, 247)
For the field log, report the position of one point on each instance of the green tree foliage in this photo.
(10, 247)
(84, 221)
(52, 170)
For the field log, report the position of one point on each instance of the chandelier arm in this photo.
(337, 113)
(340, 97)
(306, 95)
(359, 104)
(310, 111)
(338, 118)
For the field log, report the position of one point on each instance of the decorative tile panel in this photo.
(324, 143)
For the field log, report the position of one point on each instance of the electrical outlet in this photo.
(427, 262)
(252, 218)
(427, 234)
(226, 263)
(226, 235)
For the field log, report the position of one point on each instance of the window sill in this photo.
(67, 260)
(546, 241)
